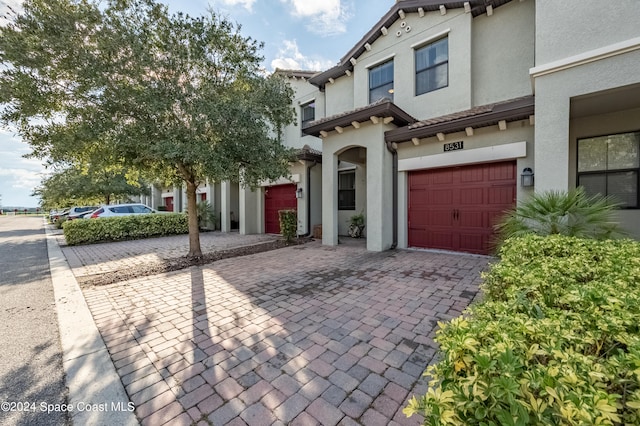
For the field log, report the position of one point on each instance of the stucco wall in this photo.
(378, 184)
(569, 27)
(339, 95)
(503, 50)
(304, 93)
(431, 27)
(615, 122)
(553, 96)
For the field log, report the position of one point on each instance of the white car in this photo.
(121, 210)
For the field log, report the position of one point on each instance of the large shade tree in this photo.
(179, 98)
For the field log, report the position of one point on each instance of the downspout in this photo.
(308, 195)
(394, 203)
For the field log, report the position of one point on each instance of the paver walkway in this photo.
(95, 259)
(303, 335)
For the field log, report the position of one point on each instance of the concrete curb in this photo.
(96, 394)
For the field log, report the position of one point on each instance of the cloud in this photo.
(328, 17)
(289, 57)
(21, 178)
(247, 4)
(8, 9)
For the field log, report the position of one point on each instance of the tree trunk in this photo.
(194, 231)
(107, 198)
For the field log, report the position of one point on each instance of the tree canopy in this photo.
(178, 98)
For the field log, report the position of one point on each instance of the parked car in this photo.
(122, 210)
(57, 214)
(80, 212)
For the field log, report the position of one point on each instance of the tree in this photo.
(88, 185)
(178, 98)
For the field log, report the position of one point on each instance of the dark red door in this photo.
(455, 208)
(168, 202)
(276, 198)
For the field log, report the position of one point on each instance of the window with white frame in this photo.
(308, 113)
(610, 165)
(432, 66)
(347, 190)
(381, 82)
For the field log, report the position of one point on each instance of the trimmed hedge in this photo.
(556, 340)
(87, 231)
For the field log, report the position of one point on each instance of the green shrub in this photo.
(572, 213)
(207, 217)
(86, 231)
(556, 340)
(288, 224)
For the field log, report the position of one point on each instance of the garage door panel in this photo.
(456, 208)
(472, 195)
(276, 198)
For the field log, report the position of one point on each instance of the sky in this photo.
(297, 34)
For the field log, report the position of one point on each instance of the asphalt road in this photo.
(31, 373)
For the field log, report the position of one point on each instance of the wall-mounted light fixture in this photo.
(299, 193)
(526, 178)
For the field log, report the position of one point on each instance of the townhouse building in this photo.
(447, 113)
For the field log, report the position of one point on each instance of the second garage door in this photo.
(455, 208)
(276, 198)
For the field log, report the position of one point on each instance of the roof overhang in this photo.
(382, 109)
(475, 7)
(477, 117)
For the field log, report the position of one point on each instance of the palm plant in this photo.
(571, 213)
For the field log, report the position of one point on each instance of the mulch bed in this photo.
(178, 263)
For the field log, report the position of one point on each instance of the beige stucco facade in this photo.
(525, 81)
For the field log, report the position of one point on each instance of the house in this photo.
(447, 112)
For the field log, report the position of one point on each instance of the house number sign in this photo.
(453, 146)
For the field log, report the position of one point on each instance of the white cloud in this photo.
(328, 17)
(21, 178)
(289, 57)
(6, 7)
(247, 4)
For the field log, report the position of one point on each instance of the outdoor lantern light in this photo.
(526, 178)
(299, 193)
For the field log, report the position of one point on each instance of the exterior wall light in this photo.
(299, 193)
(526, 178)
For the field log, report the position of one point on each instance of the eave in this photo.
(382, 109)
(475, 7)
(477, 117)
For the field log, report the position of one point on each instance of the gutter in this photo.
(394, 203)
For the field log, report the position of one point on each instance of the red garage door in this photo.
(276, 198)
(455, 208)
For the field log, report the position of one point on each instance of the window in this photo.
(432, 66)
(610, 165)
(308, 113)
(347, 190)
(381, 82)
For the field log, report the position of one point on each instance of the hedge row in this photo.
(556, 340)
(87, 231)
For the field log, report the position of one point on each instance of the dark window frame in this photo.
(430, 68)
(606, 173)
(304, 107)
(383, 84)
(350, 192)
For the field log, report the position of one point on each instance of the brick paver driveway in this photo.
(303, 335)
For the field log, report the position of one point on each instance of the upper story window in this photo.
(610, 165)
(432, 66)
(308, 113)
(381, 82)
